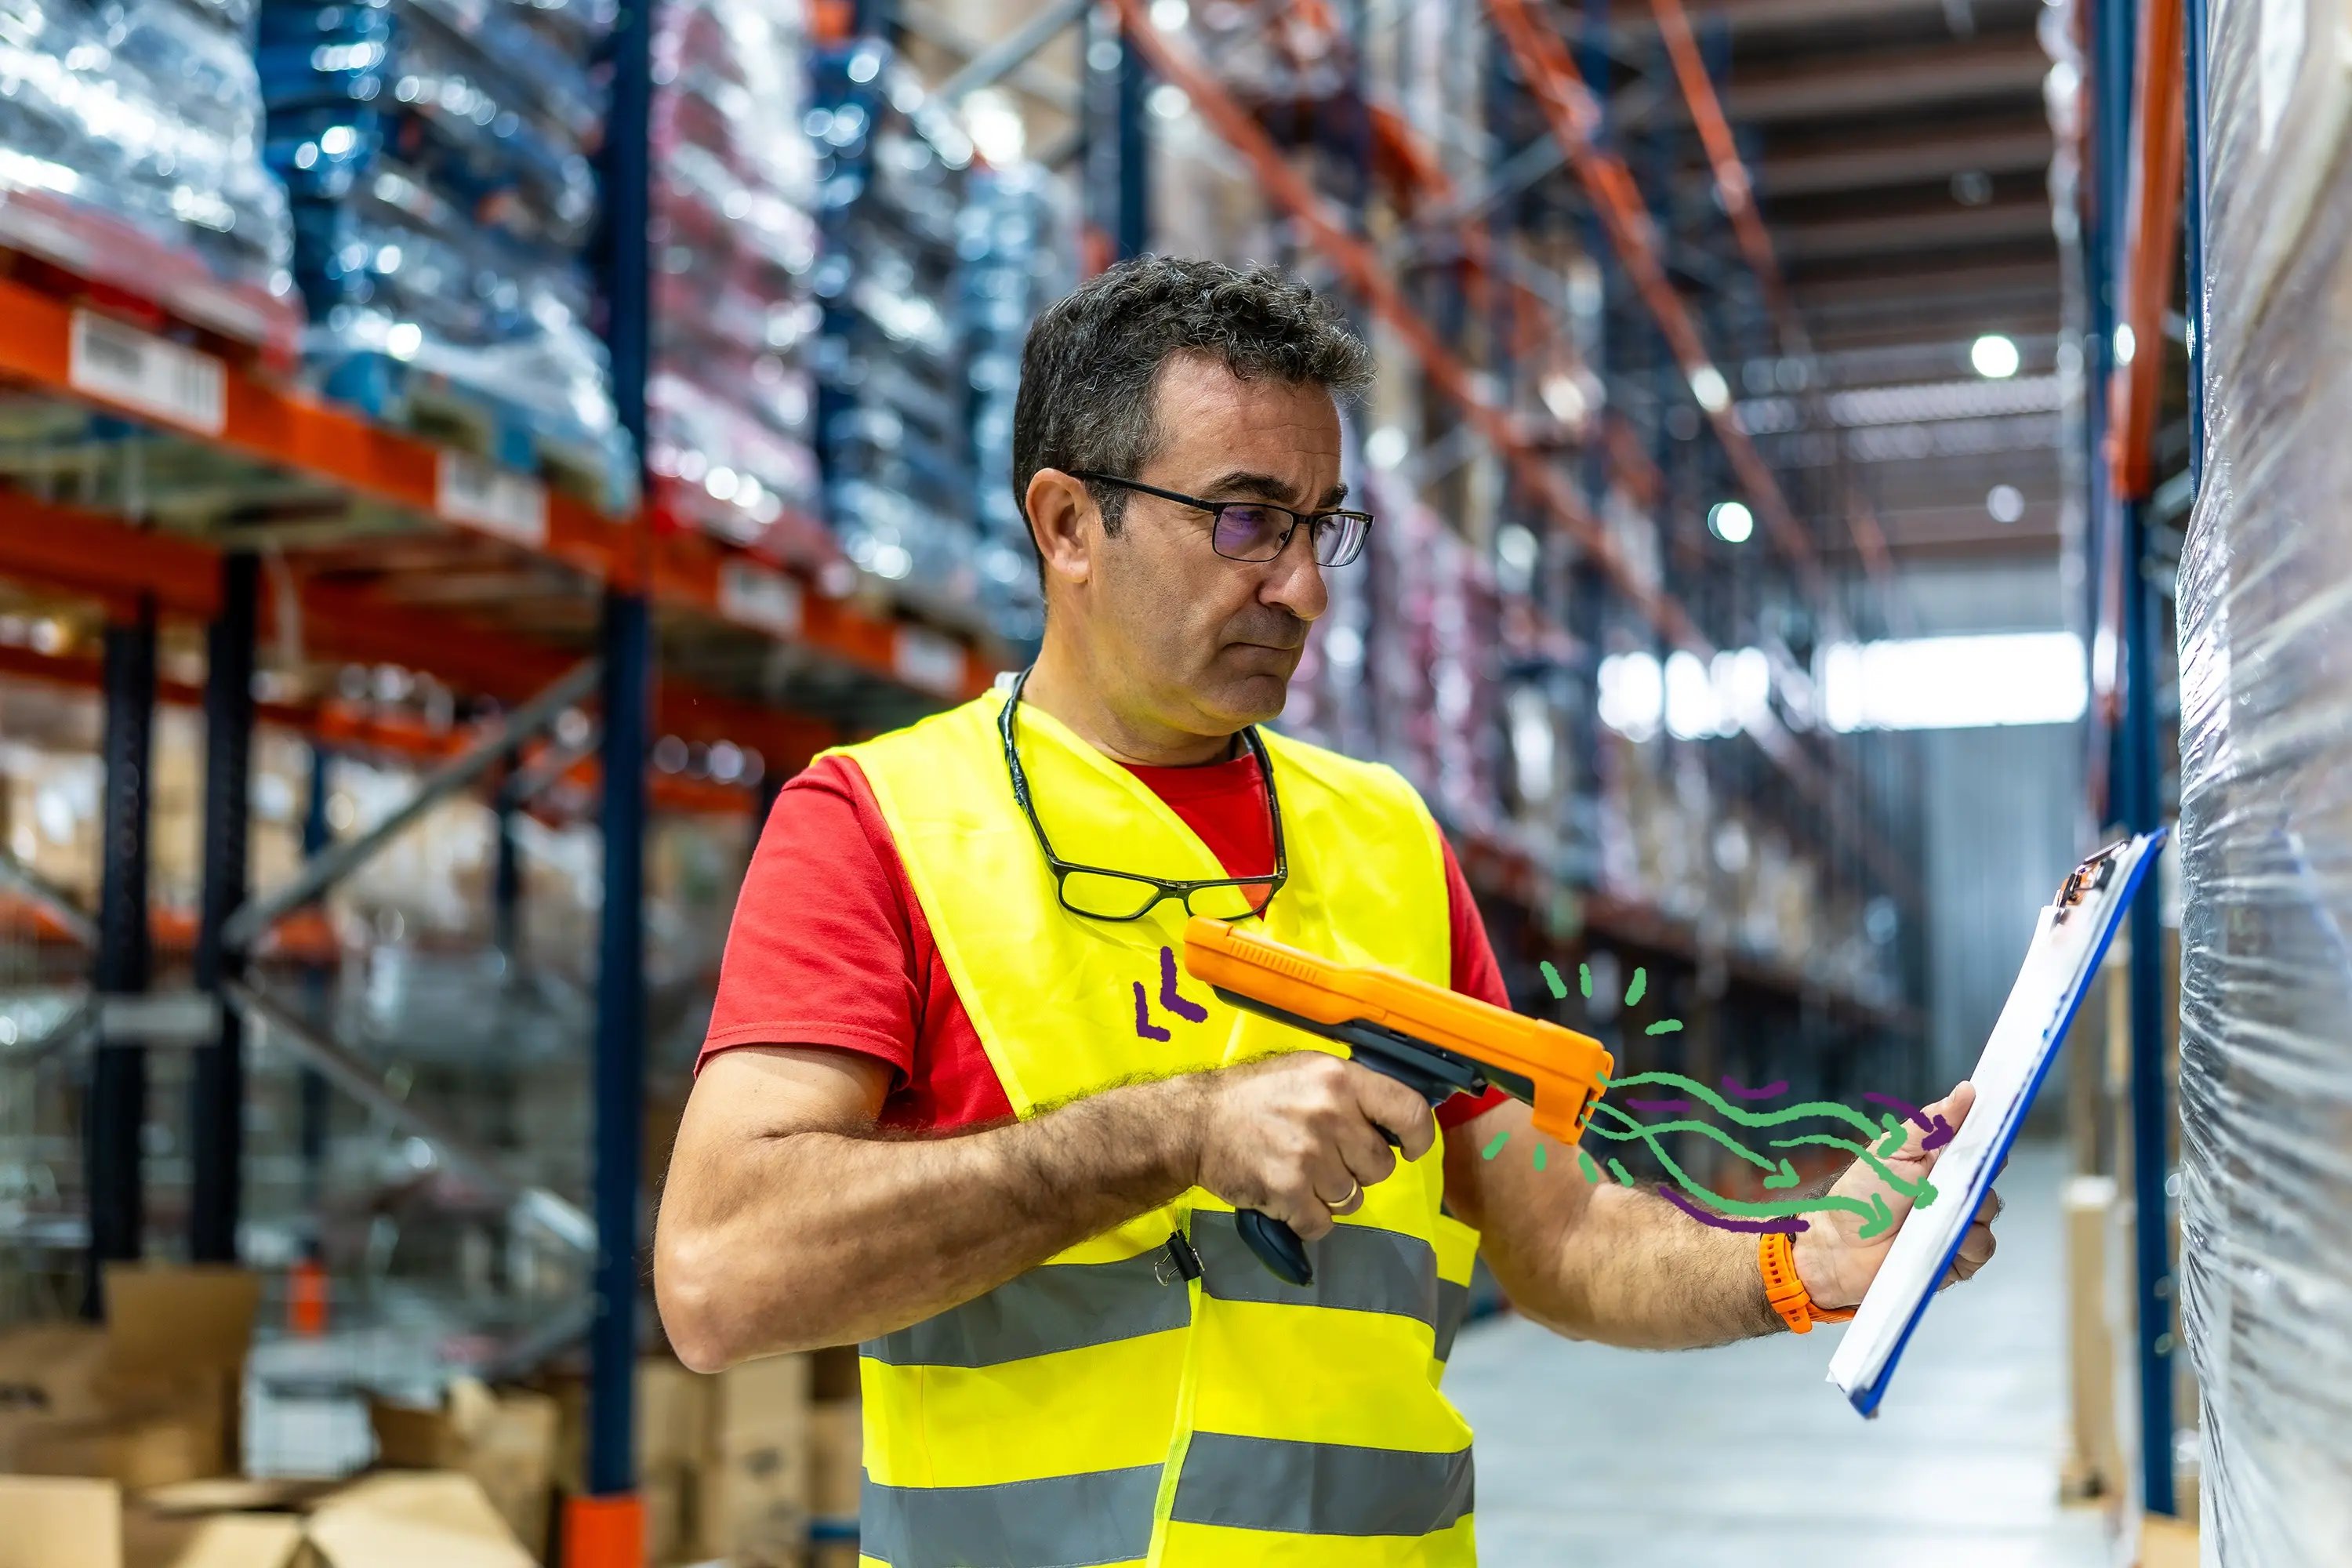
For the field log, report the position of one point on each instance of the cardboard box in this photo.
(152, 1396)
(54, 1521)
(760, 1402)
(506, 1442)
(669, 1492)
(413, 1520)
(673, 1420)
(2166, 1543)
(2095, 1465)
(152, 1540)
(836, 1457)
(750, 1506)
(134, 1450)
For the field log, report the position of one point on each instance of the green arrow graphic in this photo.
(1681, 1085)
(1875, 1213)
(1639, 1129)
(1921, 1193)
(1881, 1219)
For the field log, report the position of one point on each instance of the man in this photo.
(959, 1102)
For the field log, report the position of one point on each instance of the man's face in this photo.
(1204, 643)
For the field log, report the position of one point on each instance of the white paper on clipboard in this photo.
(2069, 940)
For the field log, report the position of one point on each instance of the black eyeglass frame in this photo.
(1167, 887)
(1215, 507)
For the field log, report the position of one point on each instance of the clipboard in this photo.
(2069, 940)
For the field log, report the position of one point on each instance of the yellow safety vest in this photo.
(1100, 1408)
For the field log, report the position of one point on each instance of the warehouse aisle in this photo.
(1744, 1458)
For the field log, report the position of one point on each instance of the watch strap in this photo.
(1776, 1258)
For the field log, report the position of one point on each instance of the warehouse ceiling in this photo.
(1900, 152)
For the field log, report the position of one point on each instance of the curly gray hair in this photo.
(1093, 360)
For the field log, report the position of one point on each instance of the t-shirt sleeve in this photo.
(821, 949)
(1476, 973)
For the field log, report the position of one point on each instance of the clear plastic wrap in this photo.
(130, 153)
(895, 400)
(439, 153)
(1017, 237)
(731, 407)
(2266, 598)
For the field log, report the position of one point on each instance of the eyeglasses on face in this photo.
(1258, 530)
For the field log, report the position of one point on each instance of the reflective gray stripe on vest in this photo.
(1320, 1489)
(1357, 1267)
(1452, 1311)
(1061, 1521)
(1054, 1307)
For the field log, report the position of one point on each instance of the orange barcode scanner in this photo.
(1436, 1042)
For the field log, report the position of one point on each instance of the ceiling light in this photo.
(1707, 385)
(1994, 356)
(2004, 503)
(2126, 342)
(1385, 447)
(1730, 521)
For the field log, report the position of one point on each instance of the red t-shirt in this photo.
(829, 946)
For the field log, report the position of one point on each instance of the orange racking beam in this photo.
(2152, 228)
(1573, 114)
(284, 428)
(1739, 194)
(116, 562)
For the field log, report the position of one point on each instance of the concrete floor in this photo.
(1746, 1458)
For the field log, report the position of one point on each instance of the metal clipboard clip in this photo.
(2092, 876)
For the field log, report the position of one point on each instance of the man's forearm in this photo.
(815, 1237)
(1639, 1272)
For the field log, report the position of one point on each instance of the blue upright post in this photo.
(2151, 1114)
(216, 1109)
(1133, 234)
(609, 1530)
(114, 1111)
(2138, 757)
(620, 1046)
(311, 1127)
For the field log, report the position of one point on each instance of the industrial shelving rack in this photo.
(529, 598)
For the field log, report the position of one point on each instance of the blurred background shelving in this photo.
(435, 401)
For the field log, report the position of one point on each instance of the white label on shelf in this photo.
(756, 597)
(2278, 60)
(927, 660)
(139, 370)
(485, 496)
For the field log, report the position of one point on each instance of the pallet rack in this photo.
(424, 555)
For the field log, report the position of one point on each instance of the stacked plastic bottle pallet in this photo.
(730, 402)
(438, 154)
(129, 155)
(1018, 252)
(894, 396)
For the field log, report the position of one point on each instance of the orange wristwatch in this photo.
(1787, 1293)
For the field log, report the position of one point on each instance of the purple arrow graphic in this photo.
(1143, 1024)
(1766, 1092)
(1170, 998)
(1939, 1132)
(1663, 1107)
(1789, 1225)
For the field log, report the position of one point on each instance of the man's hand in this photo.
(1837, 1265)
(1298, 1136)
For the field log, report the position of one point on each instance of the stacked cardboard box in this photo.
(151, 1398)
(380, 1522)
(725, 1463)
(505, 1441)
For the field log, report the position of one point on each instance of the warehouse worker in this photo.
(959, 1102)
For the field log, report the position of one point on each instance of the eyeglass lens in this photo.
(1251, 530)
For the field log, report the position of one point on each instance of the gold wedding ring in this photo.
(1335, 1207)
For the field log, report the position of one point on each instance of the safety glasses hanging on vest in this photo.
(1105, 895)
